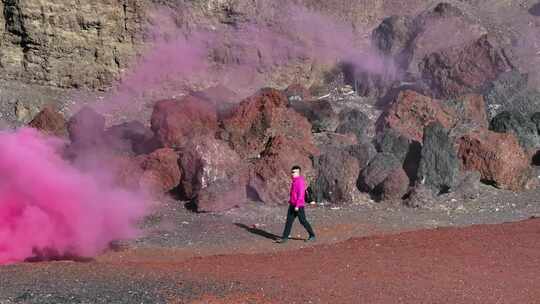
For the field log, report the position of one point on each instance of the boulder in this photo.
(270, 175)
(407, 40)
(533, 180)
(510, 92)
(364, 152)
(497, 156)
(467, 185)
(319, 113)
(175, 122)
(263, 116)
(50, 122)
(330, 140)
(220, 98)
(353, 121)
(393, 38)
(378, 169)
(86, 129)
(212, 170)
(131, 137)
(337, 175)
(412, 112)
(395, 185)
(439, 165)
(464, 69)
(161, 172)
(521, 126)
(470, 109)
(406, 151)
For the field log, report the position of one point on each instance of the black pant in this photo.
(291, 215)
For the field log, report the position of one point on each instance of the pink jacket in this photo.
(298, 191)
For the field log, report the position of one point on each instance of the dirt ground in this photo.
(479, 251)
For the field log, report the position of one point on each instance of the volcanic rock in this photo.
(131, 137)
(214, 176)
(175, 122)
(160, 170)
(395, 185)
(439, 165)
(497, 156)
(50, 122)
(464, 69)
(378, 169)
(337, 175)
(270, 175)
(263, 116)
(353, 121)
(522, 127)
(319, 113)
(509, 92)
(86, 129)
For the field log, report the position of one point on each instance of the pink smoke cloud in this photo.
(240, 57)
(47, 206)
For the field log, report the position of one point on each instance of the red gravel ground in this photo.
(478, 264)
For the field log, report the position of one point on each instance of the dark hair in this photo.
(296, 168)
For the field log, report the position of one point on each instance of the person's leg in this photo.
(305, 223)
(291, 215)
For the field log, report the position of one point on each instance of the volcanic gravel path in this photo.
(365, 253)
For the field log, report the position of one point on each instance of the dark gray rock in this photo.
(363, 152)
(419, 197)
(392, 142)
(509, 92)
(132, 137)
(536, 159)
(406, 151)
(468, 185)
(378, 169)
(439, 165)
(319, 113)
(535, 118)
(514, 122)
(393, 38)
(353, 121)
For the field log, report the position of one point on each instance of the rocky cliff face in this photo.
(68, 43)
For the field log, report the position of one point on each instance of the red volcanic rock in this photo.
(395, 185)
(263, 116)
(412, 112)
(464, 69)
(50, 121)
(213, 175)
(175, 122)
(160, 170)
(270, 175)
(337, 176)
(497, 156)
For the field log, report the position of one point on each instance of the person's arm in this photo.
(299, 193)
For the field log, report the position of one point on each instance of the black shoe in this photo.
(282, 241)
(311, 238)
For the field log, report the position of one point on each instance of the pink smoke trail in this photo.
(48, 206)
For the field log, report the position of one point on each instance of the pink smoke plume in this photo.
(240, 57)
(48, 207)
